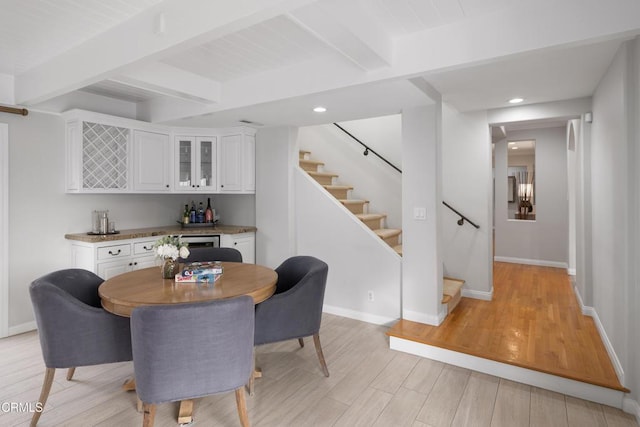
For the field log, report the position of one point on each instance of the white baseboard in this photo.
(359, 315)
(591, 312)
(571, 271)
(470, 293)
(539, 262)
(22, 328)
(415, 316)
(566, 386)
(632, 407)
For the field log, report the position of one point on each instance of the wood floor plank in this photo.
(442, 403)
(534, 321)
(323, 413)
(512, 406)
(402, 409)
(395, 373)
(581, 413)
(548, 409)
(617, 418)
(364, 411)
(424, 375)
(361, 376)
(476, 405)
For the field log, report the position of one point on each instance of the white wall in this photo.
(610, 190)
(545, 240)
(371, 178)
(421, 188)
(383, 134)
(7, 93)
(358, 260)
(276, 156)
(466, 185)
(41, 213)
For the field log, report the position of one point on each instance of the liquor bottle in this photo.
(192, 213)
(185, 214)
(208, 213)
(200, 213)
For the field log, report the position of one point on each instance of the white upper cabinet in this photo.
(238, 162)
(196, 163)
(107, 154)
(152, 166)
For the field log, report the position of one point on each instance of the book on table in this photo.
(198, 272)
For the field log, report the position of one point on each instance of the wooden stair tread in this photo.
(326, 174)
(398, 249)
(311, 162)
(338, 187)
(385, 233)
(303, 152)
(451, 286)
(353, 201)
(370, 216)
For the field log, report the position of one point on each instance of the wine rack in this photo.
(104, 156)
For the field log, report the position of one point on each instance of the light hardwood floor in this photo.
(370, 385)
(534, 321)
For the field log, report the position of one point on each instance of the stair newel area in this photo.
(358, 207)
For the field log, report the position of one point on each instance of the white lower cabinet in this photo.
(108, 259)
(244, 242)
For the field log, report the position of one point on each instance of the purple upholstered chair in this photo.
(187, 351)
(295, 309)
(74, 329)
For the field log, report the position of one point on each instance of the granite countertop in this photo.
(135, 233)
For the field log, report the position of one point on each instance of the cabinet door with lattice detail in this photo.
(104, 157)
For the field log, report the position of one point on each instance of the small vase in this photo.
(169, 268)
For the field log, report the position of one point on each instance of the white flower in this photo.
(170, 247)
(184, 252)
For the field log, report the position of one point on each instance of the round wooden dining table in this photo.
(123, 293)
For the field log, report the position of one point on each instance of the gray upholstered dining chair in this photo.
(74, 329)
(213, 254)
(186, 351)
(295, 309)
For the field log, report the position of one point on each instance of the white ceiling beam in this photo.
(171, 81)
(348, 28)
(168, 27)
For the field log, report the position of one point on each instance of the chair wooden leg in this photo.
(242, 407)
(139, 404)
(301, 341)
(49, 373)
(70, 373)
(149, 414)
(316, 341)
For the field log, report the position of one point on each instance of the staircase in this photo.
(358, 207)
(451, 292)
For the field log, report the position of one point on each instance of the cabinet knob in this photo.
(221, 185)
(117, 253)
(147, 248)
(198, 186)
(135, 263)
(235, 243)
(167, 185)
(130, 264)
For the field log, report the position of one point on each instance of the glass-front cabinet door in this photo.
(207, 172)
(196, 157)
(186, 154)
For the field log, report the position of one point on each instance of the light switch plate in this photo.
(420, 213)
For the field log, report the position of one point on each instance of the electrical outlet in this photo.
(370, 295)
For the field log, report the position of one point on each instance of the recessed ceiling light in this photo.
(319, 109)
(515, 100)
(514, 148)
(511, 143)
